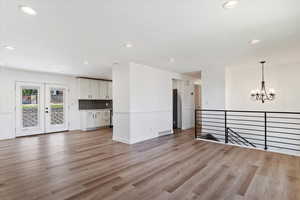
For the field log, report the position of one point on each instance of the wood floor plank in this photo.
(245, 184)
(91, 166)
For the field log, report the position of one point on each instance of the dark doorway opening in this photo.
(175, 110)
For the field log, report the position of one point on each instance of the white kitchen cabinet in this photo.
(103, 89)
(98, 119)
(84, 89)
(90, 122)
(92, 119)
(109, 90)
(87, 120)
(106, 117)
(94, 89)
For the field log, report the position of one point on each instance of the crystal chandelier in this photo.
(262, 95)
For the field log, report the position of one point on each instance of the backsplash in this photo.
(94, 104)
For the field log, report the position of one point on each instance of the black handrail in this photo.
(280, 130)
(239, 137)
(249, 111)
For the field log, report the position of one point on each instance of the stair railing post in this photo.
(266, 144)
(226, 129)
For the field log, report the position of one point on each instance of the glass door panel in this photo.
(57, 106)
(30, 107)
(29, 104)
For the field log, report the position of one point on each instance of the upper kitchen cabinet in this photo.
(84, 89)
(95, 89)
(109, 90)
(103, 89)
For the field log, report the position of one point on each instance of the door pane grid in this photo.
(30, 107)
(57, 106)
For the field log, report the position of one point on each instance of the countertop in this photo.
(84, 110)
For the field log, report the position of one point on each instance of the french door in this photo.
(40, 108)
(55, 108)
(29, 108)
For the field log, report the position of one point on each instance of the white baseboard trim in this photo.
(123, 140)
(168, 132)
(187, 128)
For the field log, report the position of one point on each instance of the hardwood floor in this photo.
(89, 165)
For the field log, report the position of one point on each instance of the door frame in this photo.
(42, 107)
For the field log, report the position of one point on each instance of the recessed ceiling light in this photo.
(254, 41)
(128, 45)
(28, 10)
(230, 4)
(9, 48)
(86, 62)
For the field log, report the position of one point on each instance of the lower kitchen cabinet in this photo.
(92, 119)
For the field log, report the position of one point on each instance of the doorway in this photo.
(175, 112)
(176, 107)
(40, 108)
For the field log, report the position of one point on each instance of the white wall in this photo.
(146, 110)
(213, 88)
(121, 103)
(284, 79)
(149, 102)
(8, 78)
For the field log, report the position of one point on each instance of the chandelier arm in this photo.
(267, 95)
(264, 91)
(263, 95)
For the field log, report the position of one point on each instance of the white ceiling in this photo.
(196, 33)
